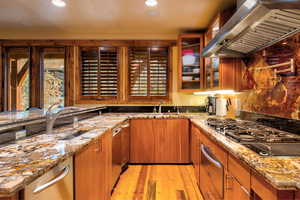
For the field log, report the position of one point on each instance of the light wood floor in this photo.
(157, 182)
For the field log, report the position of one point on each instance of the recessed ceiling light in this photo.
(59, 3)
(151, 3)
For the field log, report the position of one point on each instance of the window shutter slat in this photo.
(99, 72)
(148, 72)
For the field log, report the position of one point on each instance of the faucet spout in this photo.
(51, 117)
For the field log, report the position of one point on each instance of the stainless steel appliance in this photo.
(256, 25)
(116, 154)
(264, 140)
(56, 184)
(212, 173)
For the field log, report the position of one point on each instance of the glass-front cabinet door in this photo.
(190, 64)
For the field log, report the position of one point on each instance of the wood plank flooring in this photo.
(157, 182)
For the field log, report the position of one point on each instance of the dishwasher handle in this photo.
(210, 158)
(62, 175)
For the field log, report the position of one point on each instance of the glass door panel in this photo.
(191, 65)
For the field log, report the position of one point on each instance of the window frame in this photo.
(148, 98)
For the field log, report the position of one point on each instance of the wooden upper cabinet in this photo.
(190, 62)
(220, 73)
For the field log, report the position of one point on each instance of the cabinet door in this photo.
(172, 140)
(142, 141)
(234, 190)
(87, 173)
(93, 170)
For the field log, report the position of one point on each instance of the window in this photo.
(53, 62)
(148, 72)
(17, 79)
(99, 72)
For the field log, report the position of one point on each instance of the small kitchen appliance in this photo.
(211, 105)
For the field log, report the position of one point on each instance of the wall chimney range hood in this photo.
(256, 25)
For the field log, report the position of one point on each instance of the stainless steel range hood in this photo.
(256, 24)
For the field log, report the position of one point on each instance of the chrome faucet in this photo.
(159, 106)
(51, 117)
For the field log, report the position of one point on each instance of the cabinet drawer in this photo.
(265, 191)
(219, 152)
(239, 171)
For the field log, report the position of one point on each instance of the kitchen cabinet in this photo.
(195, 151)
(93, 170)
(142, 141)
(190, 62)
(220, 73)
(264, 190)
(15, 197)
(159, 141)
(234, 190)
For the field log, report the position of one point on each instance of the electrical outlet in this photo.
(20, 134)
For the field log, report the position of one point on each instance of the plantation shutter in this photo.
(99, 72)
(148, 72)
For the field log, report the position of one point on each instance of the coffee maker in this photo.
(211, 105)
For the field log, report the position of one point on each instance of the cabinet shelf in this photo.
(190, 43)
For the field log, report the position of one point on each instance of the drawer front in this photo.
(239, 171)
(219, 153)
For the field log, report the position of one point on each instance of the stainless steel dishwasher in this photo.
(116, 154)
(56, 184)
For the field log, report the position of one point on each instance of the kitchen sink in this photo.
(74, 135)
(275, 149)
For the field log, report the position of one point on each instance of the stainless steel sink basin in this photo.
(74, 135)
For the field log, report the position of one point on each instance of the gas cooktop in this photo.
(263, 140)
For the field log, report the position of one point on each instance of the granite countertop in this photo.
(7, 118)
(23, 161)
(282, 172)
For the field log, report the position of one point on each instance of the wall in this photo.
(263, 94)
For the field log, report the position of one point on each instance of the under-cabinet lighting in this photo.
(213, 92)
(151, 3)
(59, 3)
(250, 3)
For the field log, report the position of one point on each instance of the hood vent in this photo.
(256, 25)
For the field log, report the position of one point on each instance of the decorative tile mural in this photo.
(263, 92)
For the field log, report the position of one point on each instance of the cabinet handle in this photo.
(116, 131)
(245, 190)
(62, 175)
(229, 180)
(210, 158)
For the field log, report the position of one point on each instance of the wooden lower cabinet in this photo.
(233, 190)
(93, 170)
(159, 141)
(15, 197)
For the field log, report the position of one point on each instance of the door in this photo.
(142, 141)
(93, 170)
(172, 140)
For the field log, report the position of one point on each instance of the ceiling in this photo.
(105, 19)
